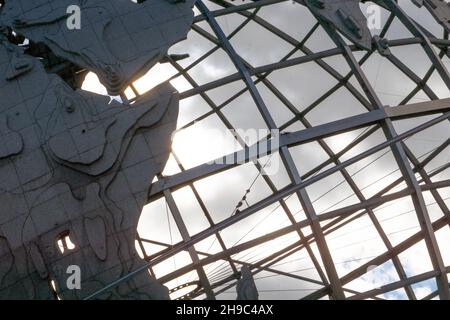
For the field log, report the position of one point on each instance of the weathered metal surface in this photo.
(82, 167)
(439, 9)
(75, 166)
(118, 40)
(346, 16)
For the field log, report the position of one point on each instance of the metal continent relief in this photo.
(75, 165)
(119, 40)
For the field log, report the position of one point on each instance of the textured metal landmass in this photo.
(73, 164)
(119, 40)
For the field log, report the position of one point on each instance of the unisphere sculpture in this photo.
(355, 95)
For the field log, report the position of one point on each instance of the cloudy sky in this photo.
(207, 139)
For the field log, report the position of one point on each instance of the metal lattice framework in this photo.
(418, 178)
